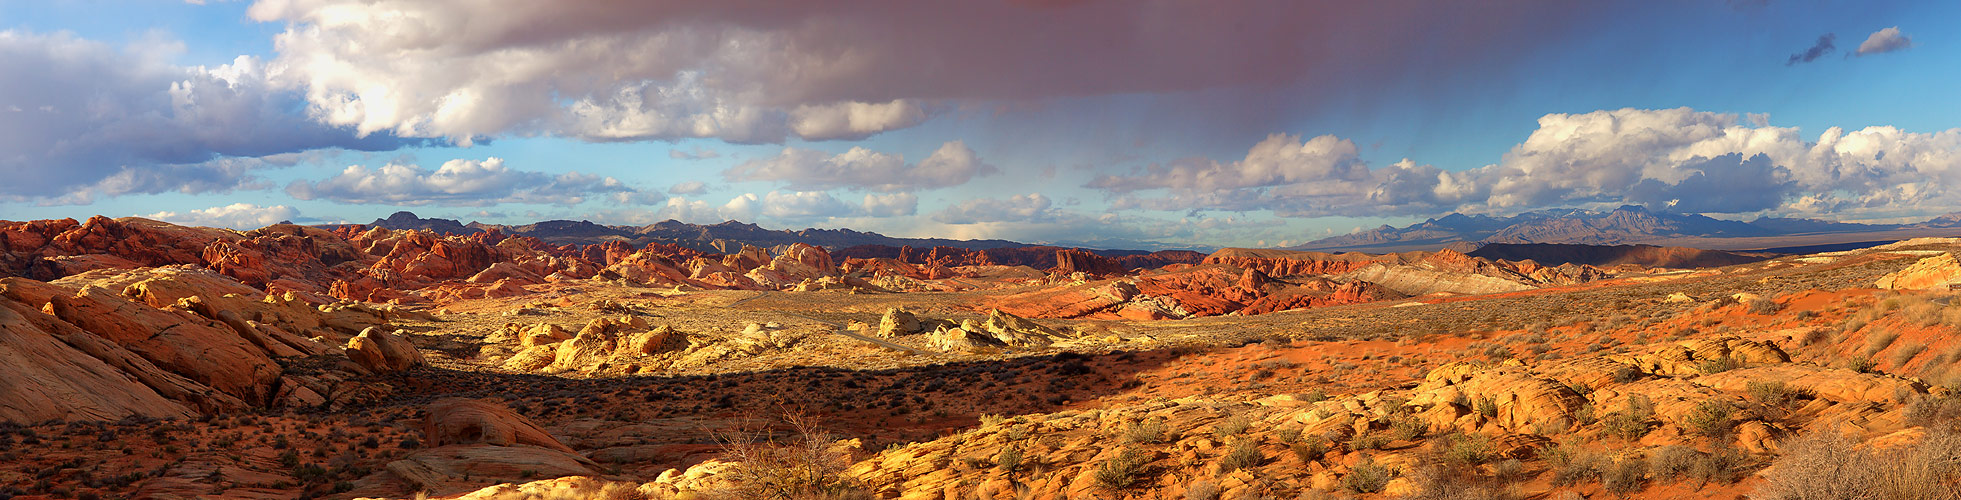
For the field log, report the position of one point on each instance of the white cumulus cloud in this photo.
(235, 216)
(952, 164)
(1883, 41)
(464, 182)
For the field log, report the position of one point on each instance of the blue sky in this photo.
(1088, 122)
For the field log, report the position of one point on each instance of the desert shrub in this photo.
(1814, 336)
(1451, 482)
(1314, 396)
(1485, 406)
(1288, 435)
(1121, 471)
(1148, 431)
(1861, 364)
(1634, 419)
(1202, 490)
(1367, 477)
(804, 466)
(1906, 353)
(1721, 466)
(1879, 340)
(1309, 451)
(1367, 441)
(1624, 476)
(1408, 428)
(1774, 393)
(1232, 426)
(1828, 466)
(1719, 365)
(1942, 412)
(1710, 419)
(1670, 462)
(1009, 459)
(1763, 307)
(1243, 454)
(1466, 449)
(1571, 464)
(1922, 312)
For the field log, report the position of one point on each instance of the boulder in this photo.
(897, 321)
(953, 339)
(383, 352)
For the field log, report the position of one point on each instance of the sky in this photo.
(1113, 124)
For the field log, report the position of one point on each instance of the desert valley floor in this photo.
(145, 360)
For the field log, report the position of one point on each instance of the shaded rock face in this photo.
(470, 421)
(475, 441)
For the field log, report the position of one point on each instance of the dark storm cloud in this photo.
(1824, 46)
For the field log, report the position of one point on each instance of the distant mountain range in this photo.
(1625, 225)
(725, 237)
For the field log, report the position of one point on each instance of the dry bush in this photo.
(1572, 464)
(1879, 340)
(580, 491)
(1121, 471)
(1232, 426)
(1829, 466)
(1151, 430)
(1670, 462)
(801, 467)
(1202, 490)
(1455, 482)
(1636, 418)
(1624, 476)
(1906, 353)
(1367, 477)
(1936, 412)
(1244, 454)
(1710, 419)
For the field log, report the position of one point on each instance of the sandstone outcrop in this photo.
(1939, 272)
(896, 322)
(460, 468)
(383, 352)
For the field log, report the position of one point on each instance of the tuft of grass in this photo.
(1861, 364)
(1635, 419)
(1879, 340)
(1485, 406)
(1288, 435)
(1466, 449)
(1232, 426)
(1122, 471)
(1148, 431)
(1710, 419)
(1408, 428)
(1367, 477)
(1310, 451)
(1670, 462)
(1719, 365)
(1243, 454)
(1625, 476)
(1009, 459)
(1367, 441)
